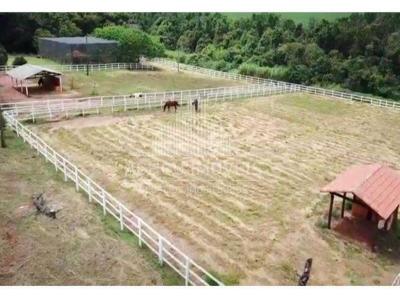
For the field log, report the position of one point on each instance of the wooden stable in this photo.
(373, 190)
(27, 76)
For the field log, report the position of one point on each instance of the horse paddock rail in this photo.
(65, 108)
(352, 97)
(168, 253)
(90, 67)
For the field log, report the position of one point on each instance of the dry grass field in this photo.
(237, 185)
(80, 247)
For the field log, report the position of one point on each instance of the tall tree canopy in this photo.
(360, 52)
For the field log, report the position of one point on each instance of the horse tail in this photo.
(177, 104)
(165, 106)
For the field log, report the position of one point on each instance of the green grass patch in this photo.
(112, 227)
(120, 82)
(232, 278)
(31, 59)
(320, 106)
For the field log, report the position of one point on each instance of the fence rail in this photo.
(91, 67)
(56, 109)
(353, 97)
(186, 267)
(191, 272)
(396, 281)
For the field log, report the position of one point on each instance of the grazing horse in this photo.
(170, 103)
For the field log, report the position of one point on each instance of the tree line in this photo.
(360, 52)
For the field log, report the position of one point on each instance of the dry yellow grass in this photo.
(237, 185)
(80, 247)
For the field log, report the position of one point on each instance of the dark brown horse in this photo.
(170, 103)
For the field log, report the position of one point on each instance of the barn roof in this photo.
(376, 185)
(28, 71)
(80, 40)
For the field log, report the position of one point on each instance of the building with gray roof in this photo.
(78, 50)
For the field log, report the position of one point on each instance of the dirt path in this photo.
(238, 184)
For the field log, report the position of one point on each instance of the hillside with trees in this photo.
(360, 52)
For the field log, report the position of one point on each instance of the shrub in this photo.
(20, 60)
(3, 55)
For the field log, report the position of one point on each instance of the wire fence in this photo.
(352, 97)
(91, 67)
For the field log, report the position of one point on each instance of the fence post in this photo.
(187, 271)
(45, 153)
(76, 179)
(65, 169)
(160, 250)
(55, 159)
(33, 113)
(103, 197)
(89, 187)
(121, 217)
(140, 232)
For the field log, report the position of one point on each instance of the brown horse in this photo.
(170, 103)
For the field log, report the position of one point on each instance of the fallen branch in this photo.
(43, 207)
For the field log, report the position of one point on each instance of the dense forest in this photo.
(360, 52)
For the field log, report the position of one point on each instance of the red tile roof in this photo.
(376, 185)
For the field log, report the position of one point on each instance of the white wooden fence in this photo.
(396, 281)
(92, 67)
(168, 253)
(352, 97)
(60, 108)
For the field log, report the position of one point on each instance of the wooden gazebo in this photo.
(27, 75)
(373, 190)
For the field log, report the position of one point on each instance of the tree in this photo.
(69, 29)
(132, 42)
(40, 33)
(19, 60)
(3, 55)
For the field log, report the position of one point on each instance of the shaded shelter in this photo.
(373, 190)
(26, 76)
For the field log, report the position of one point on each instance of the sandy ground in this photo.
(80, 247)
(237, 185)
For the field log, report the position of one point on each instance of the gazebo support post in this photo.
(26, 88)
(61, 88)
(330, 212)
(395, 217)
(343, 204)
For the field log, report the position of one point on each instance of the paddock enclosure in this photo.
(236, 186)
(226, 195)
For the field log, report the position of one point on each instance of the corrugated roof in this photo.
(27, 71)
(80, 40)
(376, 185)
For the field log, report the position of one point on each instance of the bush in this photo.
(20, 60)
(3, 55)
